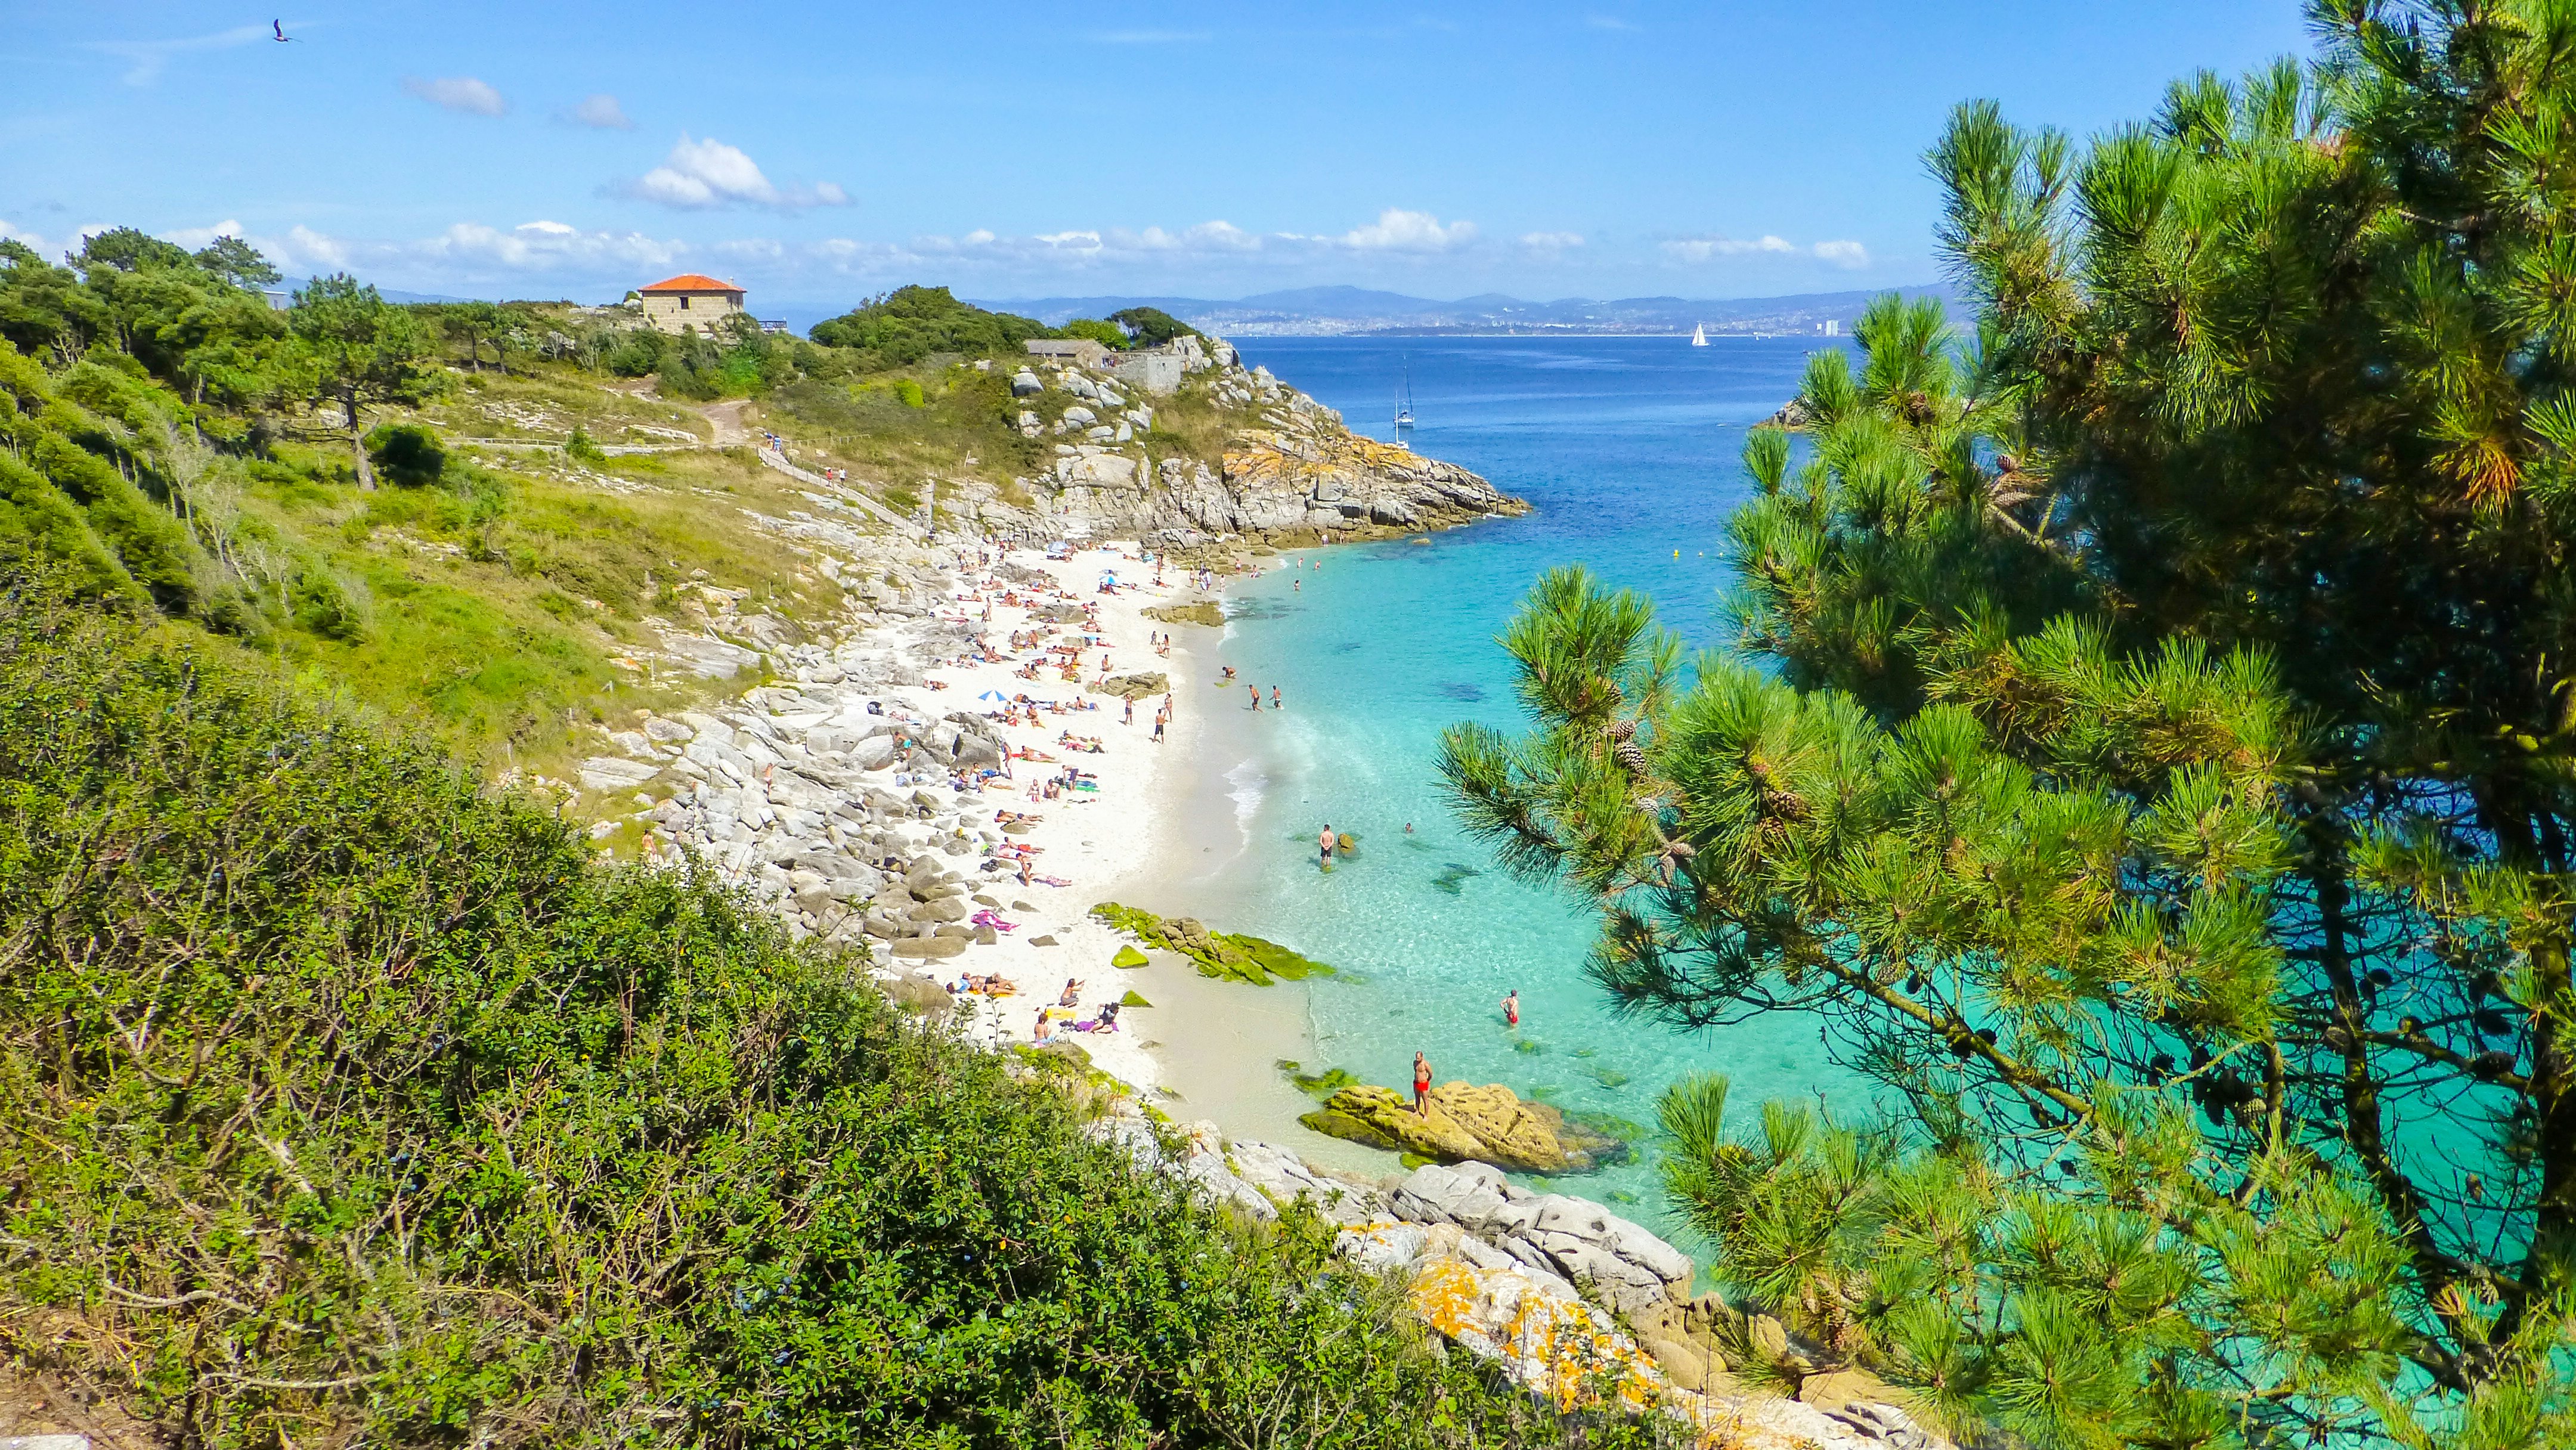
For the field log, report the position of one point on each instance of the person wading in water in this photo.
(1325, 840)
(1512, 1007)
(1421, 1085)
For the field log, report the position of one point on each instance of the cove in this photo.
(1627, 448)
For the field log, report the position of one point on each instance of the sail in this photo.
(1699, 335)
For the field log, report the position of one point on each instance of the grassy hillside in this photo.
(340, 1098)
(188, 451)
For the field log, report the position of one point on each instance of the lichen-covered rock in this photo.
(1489, 1124)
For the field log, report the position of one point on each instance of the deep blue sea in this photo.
(1628, 448)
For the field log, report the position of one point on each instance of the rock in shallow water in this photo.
(1465, 1123)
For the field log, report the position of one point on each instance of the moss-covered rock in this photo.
(1128, 957)
(1489, 1124)
(1317, 1084)
(1218, 954)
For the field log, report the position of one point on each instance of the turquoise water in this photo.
(1628, 449)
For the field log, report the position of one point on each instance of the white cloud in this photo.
(545, 246)
(458, 93)
(1703, 249)
(194, 238)
(601, 113)
(1397, 230)
(1551, 242)
(702, 175)
(146, 59)
(305, 247)
(1608, 22)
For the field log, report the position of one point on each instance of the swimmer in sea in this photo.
(1512, 1007)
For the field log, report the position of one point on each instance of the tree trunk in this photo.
(358, 443)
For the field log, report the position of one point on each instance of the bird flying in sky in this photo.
(279, 26)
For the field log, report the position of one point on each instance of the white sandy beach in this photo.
(1099, 842)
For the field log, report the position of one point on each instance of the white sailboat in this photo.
(1699, 335)
(1404, 400)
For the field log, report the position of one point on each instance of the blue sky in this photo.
(820, 152)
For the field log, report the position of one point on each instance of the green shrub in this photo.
(406, 454)
(581, 449)
(320, 602)
(1152, 326)
(1108, 334)
(634, 353)
(911, 323)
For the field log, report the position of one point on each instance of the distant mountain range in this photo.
(1318, 311)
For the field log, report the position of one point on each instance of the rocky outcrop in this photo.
(1465, 1123)
(1305, 471)
(1290, 472)
(1573, 1302)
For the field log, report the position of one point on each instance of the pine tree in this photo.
(2150, 754)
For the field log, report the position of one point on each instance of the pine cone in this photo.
(1630, 755)
(1623, 729)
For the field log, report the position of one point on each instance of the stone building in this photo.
(1157, 370)
(690, 300)
(1080, 351)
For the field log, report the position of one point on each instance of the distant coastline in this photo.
(1357, 312)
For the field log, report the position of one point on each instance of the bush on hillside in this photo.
(406, 454)
(632, 353)
(341, 1099)
(1107, 334)
(1152, 326)
(911, 323)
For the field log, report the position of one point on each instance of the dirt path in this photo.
(725, 417)
(727, 420)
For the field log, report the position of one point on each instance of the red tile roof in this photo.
(691, 282)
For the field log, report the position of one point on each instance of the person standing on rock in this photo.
(1421, 1085)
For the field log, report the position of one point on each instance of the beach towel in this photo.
(987, 917)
